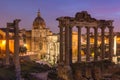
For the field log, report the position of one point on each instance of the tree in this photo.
(22, 49)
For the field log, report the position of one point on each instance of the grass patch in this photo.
(7, 73)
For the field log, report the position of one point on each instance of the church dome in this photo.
(38, 22)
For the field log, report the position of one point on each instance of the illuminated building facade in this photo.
(52, 48)
(34, 40)
(39, 35)
(3, 42)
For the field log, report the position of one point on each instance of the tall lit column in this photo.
(111, 42)
(103, 43)
(61, 43)
(70, 43)
(88, 44)
(67, 55)
(79, 44)
(95, 42)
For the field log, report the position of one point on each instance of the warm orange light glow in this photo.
(11, 45)
(92, 54)
(25, 45)
(3, 42)
(105, 41)
(82, 53)
(118, 39)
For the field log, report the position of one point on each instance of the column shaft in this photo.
(88, 44)
(70, 43)
(103, 43)
(110, 42)
(67, 61)
(95, 42)
(79, 44)
(16, 50)
(7, 46)
(61, 44)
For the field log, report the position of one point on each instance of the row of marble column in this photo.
(68, 43)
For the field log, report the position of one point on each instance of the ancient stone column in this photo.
(67, 55)
(88, 44)
(16, 50)
(61, 43)
(79, 44)
(111, 42)
(102, 43)
(70, 43)
(7, 46)
(95, 42)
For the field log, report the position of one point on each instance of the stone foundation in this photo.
(84, 70)
(65, 72)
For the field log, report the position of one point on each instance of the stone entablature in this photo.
(78, 21)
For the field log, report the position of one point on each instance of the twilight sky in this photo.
(26, 10)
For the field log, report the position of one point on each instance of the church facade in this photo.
(39, 35)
